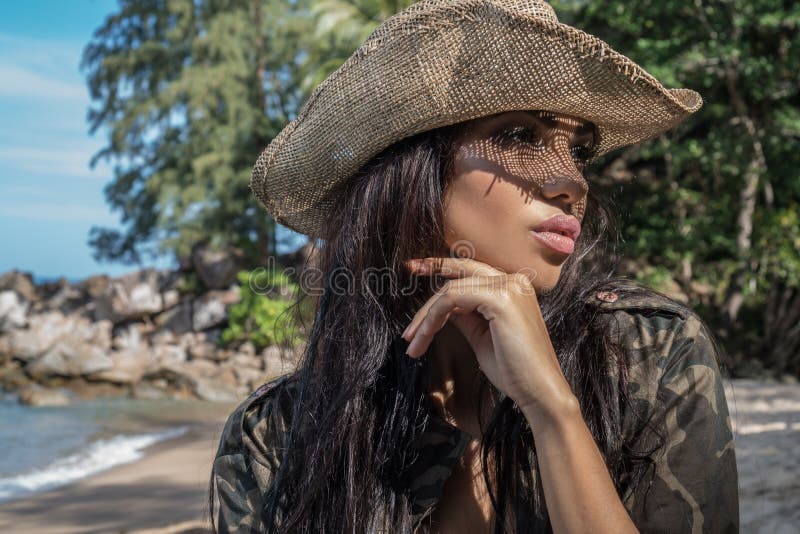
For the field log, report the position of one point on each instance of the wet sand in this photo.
(167, 486)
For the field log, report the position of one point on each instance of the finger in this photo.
(452, 267)
(464, 297)
(408, 333)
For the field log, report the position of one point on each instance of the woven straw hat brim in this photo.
(442, 62)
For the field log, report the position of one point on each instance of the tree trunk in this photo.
(747, 202)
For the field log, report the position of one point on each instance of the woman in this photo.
(503, 381)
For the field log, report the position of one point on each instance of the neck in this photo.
(454, 380)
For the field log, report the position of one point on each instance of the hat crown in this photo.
(537, 8)
(415, 14)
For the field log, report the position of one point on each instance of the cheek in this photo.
(481, 211)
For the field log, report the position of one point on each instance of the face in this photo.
(512, 173)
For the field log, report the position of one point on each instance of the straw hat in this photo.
(440, 62)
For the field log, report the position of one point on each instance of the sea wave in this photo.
(98, 456)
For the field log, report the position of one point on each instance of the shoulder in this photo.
(260, 421)
(658, 336)
(678, 408)
(248, 455)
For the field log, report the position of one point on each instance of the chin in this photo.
(542, 274)
(544, 286)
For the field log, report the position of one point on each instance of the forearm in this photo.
(578, 489)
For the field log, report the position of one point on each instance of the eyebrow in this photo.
(586, 128)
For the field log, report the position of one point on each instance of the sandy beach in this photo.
(165, 492)
(166, 487)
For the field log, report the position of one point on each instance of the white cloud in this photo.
(54, 211)
(20, 82)
(55, 161)
(36, 69)
(49, 55)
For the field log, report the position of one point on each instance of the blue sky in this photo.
(49, 197)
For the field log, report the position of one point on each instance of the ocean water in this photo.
(44, 448)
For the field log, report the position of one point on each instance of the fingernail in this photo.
(408, 349)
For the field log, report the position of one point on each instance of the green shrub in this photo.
(258, 317)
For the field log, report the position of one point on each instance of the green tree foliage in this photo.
(715, 200)
(190, 92)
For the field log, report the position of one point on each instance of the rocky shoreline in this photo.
(148, 334)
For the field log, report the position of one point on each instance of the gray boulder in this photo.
(217, 268)
(13, 311)
(41, 334)
(20, 282)
(131, 296)
(70, 357)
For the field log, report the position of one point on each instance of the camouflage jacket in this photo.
(674, 383)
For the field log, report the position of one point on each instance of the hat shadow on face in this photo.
(534, 156)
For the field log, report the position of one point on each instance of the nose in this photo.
(564, 183)
(566, 188)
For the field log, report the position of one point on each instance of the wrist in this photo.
(555, 409)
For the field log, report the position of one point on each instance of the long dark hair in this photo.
(359, 405)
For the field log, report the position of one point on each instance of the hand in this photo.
(500, 317)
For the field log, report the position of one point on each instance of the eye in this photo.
(582, 154)
(519, 136)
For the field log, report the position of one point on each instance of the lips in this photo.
(558, 233)
(565, 225)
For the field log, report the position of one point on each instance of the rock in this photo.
(96, 286)
(217, 268)
(129, 337)
(246, 360)
(209, 390)
(148, 391)
(128, 366)
(131, 296)
(249, 377)
(47, 330)
(13, 377)
(205, 351)
(211, 309)
(166, 355)
(98, 333)
(226, 376)
(202, 368)
(42, 332)
(177, 319)
(70, 357)
(276, 362)
(211, 335)
(21, 283)
(13, 311)
(39, 396)
(171, 297)
(93, 390)
(164, 337)
(189, 339)
(201, 378)
(67, 299)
